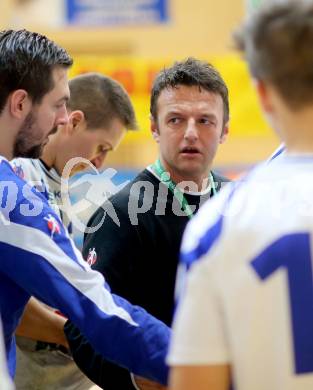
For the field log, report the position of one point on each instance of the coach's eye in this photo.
(174, 120)
(207, 121)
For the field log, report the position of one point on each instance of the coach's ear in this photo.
(154, 129)
(19, 104)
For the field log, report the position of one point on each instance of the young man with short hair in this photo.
(37, 256)
(246, 314)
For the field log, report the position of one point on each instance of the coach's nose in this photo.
(191, 132)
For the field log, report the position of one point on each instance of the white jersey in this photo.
(45, 180)
(248, 299)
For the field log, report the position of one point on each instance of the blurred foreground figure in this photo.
(246, 311)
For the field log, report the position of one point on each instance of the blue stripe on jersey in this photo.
(279, 151)
(34, 201)
(204, 245)
(210, 236)
(293, 252)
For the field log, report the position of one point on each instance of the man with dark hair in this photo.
(246, 314)
(29, 66)
(29, 72)
(37, 256)
(190, 73)
(189, 119)
(100, 111)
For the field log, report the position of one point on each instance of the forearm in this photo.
(40, 323)
(145, 384)
(125, 334)
(214, 377)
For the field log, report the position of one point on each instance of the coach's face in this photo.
(43, 118)
(189, 128)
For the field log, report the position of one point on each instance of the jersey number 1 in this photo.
(294, 253)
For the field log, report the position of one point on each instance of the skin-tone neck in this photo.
(296, 131)
(199, 179)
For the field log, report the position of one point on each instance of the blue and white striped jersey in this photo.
(37, 257)
(47, 181)
(45, 366)
(279, 152)
(248, 298)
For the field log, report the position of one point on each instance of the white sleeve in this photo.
(199, 335)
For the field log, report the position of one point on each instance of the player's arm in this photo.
(215, 377)
(41, 323)
(145, 384)
(125, 334)
(51, 269)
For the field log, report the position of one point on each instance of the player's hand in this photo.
(146, 384)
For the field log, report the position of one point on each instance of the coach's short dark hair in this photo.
(101, 99)
(26, 62)
(277, 41)
(190, 72)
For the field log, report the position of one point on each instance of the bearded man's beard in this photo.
(24, 144)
